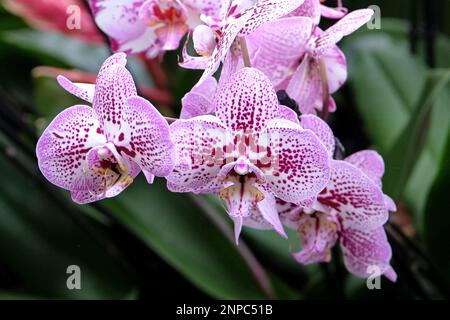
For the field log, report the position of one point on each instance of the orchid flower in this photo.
(351, 209)
(96, 152)
(277, 47)
(249, 153)
(150, 26)
(241, 19)
(306, 84)
(51, 15)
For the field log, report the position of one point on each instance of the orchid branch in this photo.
(245, 54)
(325, 90)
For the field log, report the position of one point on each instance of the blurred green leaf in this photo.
(437, 217)
(38, 242)
(426, 169)
(51, 99)
(72, 52)
(388, 82)
(403, 155)
(58, 50)
(181, 234)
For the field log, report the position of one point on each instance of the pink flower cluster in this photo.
(272, 168)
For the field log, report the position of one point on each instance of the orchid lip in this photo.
(122, 166)
(110, 163)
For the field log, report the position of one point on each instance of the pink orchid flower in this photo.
(96, 152)
(213, 42)
(352, 209)
(277, 47)
(52, 15)
(249, 153)
(150, 26)
(305, 85)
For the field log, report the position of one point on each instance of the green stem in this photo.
(325, 90)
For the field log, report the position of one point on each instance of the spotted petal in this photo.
(199, 146)
(319, 235)
(302, 166)
(321, 129)
(244, 23)
(305, 85)
(114, 86)
(199, 100)
(356, 198)
(232, 63)
(287, 114)
(369, 162)
(336, 67)
(247, 101)
(83, 91)
(289, 213)
(367, 252)
(332, 13)
(280, 44)
(117, 59)
(310, 9)
(265, 11)
(345, 26)
(144, 137)
(265, 216)
(62, 148)
(119, 19)
(226, 39)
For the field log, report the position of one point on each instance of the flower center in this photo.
(166, 12)
(105, 161)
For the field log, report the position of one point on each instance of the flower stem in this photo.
(325, 90)
(244, 50)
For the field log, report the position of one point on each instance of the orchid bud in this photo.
(204, 40)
